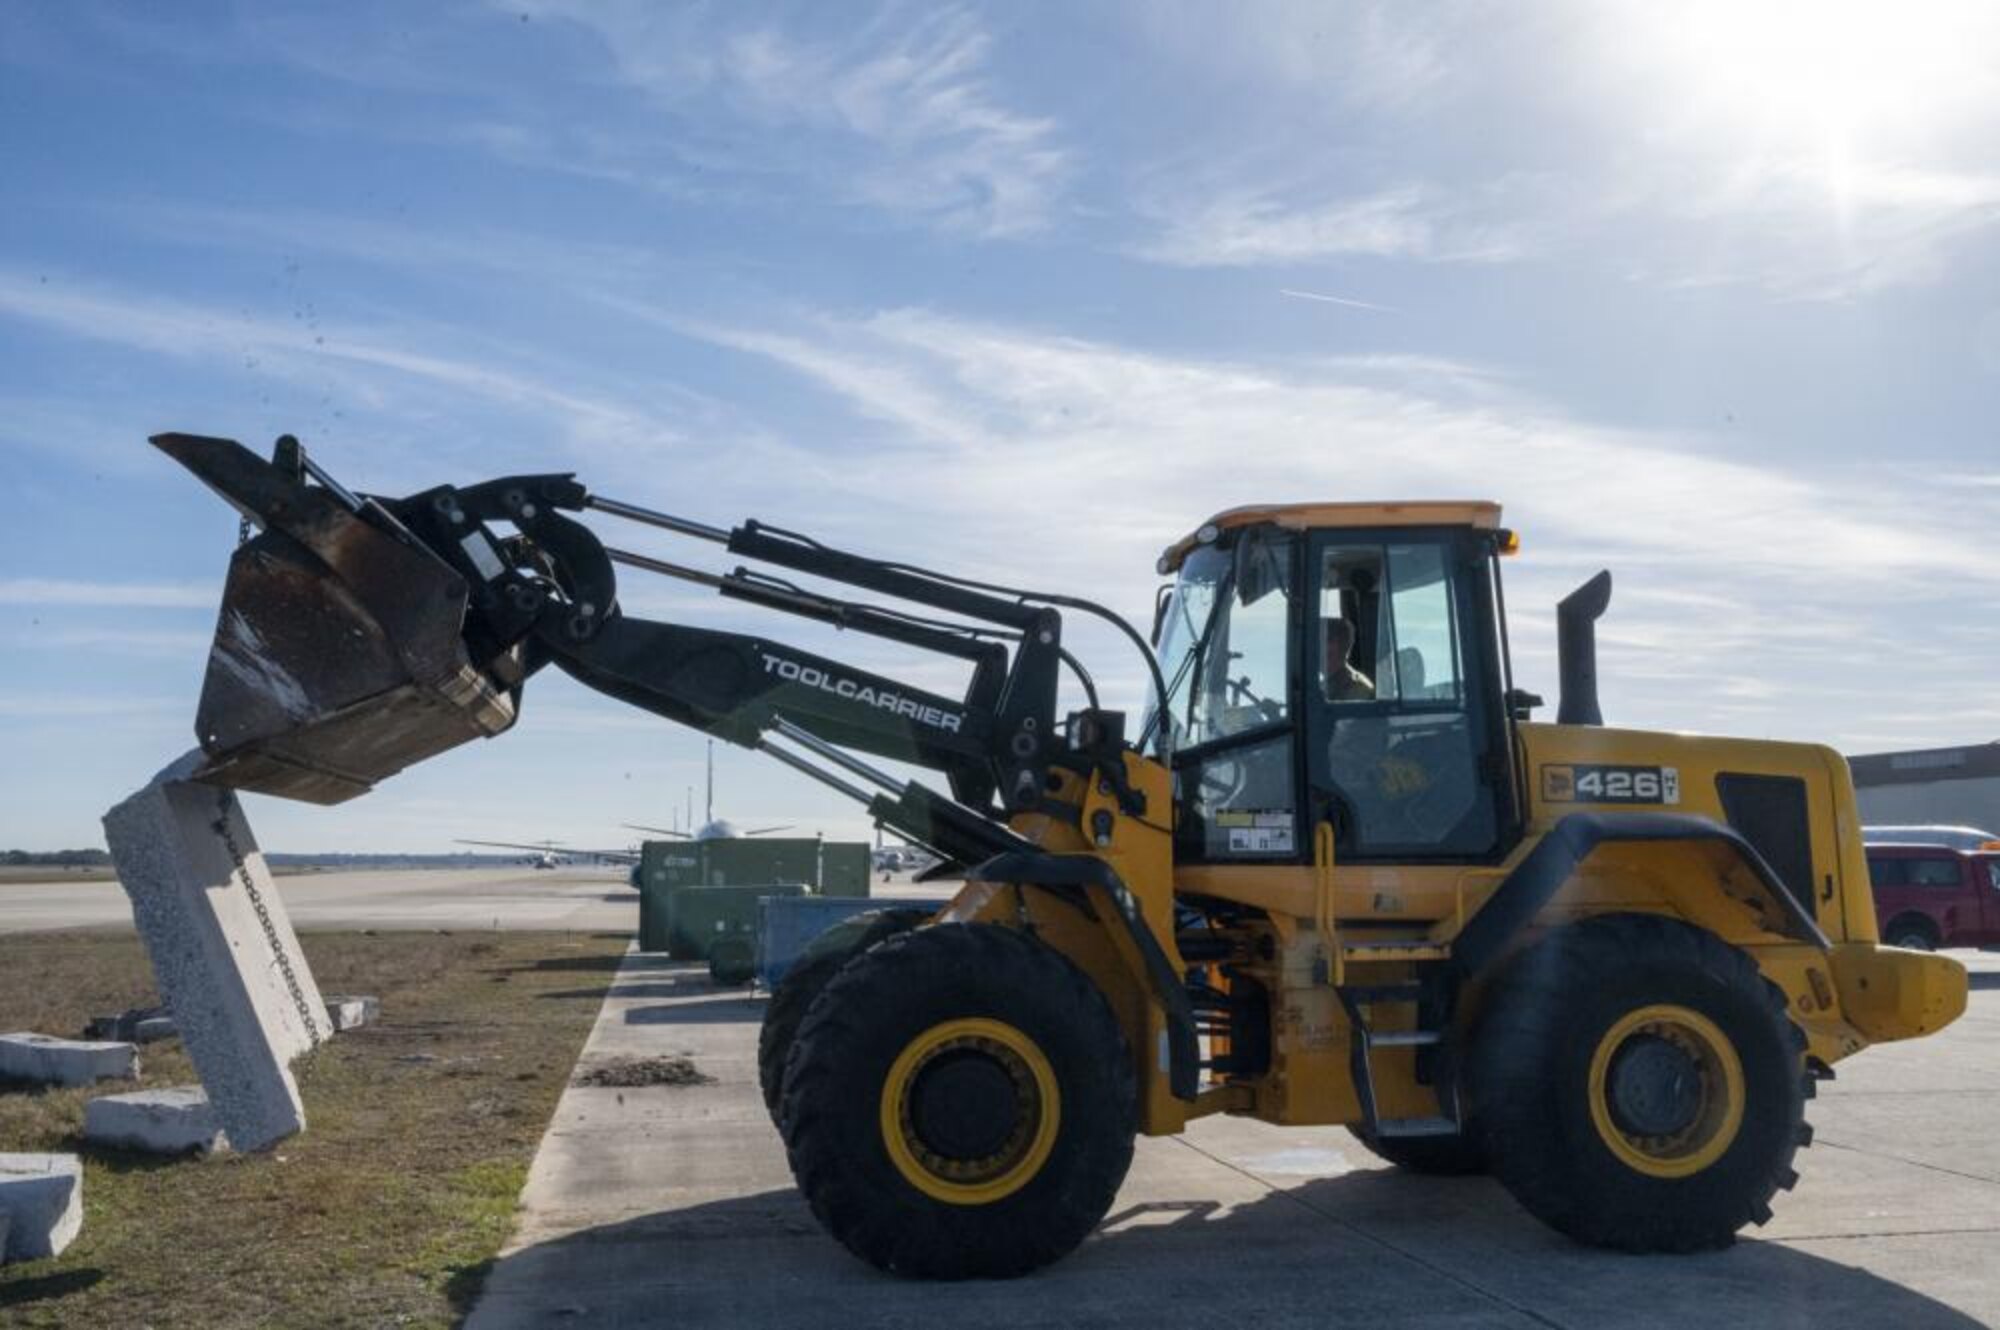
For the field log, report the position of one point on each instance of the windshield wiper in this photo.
(1195, 652)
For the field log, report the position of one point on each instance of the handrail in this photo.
(1323, 912)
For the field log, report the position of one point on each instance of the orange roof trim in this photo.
(1479, 513)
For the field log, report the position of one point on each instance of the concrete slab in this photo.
(224, 955)
(43, 1059)
(173, 1121)
(140, 1025)
(351, 1013)
(41, 1198)
(680, 1198)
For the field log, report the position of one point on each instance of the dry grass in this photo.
(386, 1210)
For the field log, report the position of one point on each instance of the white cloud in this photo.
(1818, 151)
(118, 595)
(391, 370)
(896, 114)
(1358, 55)
(1071, 463)
(1243, 229)
(71, 706)
(103, 641)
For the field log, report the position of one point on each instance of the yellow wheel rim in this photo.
(1677, 1054)
(988, 1175)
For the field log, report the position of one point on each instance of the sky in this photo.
(1707, 294)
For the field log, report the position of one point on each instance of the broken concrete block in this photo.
(139, 1025)
(46, 1060)
(351, 1013)
(41, 1199)
(224, 955)
(165, 1122)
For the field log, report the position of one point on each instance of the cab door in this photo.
(1406, 735)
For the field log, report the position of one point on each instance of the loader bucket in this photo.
(337, 658)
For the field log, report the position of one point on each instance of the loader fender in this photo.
(1535, 881)
(1889, 993)
(1095, 887)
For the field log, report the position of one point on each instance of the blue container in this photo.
(788, 924)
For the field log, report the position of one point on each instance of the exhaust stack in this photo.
(1576, 650)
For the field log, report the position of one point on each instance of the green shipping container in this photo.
(667, 868)
(844, 868)
(704, 916)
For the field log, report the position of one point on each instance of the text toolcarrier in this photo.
(811, 676)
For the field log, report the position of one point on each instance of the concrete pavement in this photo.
(673, 1205)
(558, 900)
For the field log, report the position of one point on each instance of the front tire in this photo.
(1639, 1086)
(959, 1104)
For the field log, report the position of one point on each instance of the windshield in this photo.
(1223, 645)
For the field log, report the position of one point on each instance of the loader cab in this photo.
(1345, 664)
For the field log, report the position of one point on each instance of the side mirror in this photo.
(1161, 599)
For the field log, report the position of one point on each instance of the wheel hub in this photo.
(1666, 1090)
(970, 1110)
(963, 1105)
(1655, 1087)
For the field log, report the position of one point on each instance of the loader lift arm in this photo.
(360, 634)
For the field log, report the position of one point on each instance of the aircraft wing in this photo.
(617, 856)
(662, 831)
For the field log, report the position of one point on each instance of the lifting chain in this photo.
(241, 873)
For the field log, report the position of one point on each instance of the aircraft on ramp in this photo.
(712, 827)
(550, 854)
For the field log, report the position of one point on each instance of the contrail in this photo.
(1336, 300)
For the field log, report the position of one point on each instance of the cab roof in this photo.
(1482, 514)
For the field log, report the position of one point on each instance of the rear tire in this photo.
(1639, 1086)
(1438, 1156)
(808, 978)
(959, 1104)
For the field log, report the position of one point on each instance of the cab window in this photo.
(1399, 753)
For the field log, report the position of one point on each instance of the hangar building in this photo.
(1931, 786)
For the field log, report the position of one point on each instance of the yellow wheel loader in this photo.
(1335, 875)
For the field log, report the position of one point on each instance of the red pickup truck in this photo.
(1927, 896)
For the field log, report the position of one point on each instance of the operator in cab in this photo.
(1343, 682)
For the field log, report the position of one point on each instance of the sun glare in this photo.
(1862, 96)
(1840, 69)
